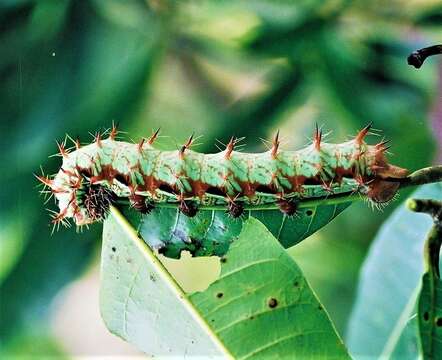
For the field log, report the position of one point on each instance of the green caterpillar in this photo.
(94, 176)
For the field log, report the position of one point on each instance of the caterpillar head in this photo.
(79, 194)
(78, 198)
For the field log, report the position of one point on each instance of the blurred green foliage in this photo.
(213, 68)
(389, 285)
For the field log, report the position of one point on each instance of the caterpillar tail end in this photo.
(384, 188)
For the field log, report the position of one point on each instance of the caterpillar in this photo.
(95, 176)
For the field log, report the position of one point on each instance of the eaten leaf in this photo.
(211, 232)
(260, 306)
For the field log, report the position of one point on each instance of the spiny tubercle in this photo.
(146, 175)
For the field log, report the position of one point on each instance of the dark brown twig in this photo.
(422, 176)
(417, 58)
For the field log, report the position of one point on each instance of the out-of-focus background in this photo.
(214, 68)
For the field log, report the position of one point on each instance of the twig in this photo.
(417, 58)
(427, 206)
(426, 175)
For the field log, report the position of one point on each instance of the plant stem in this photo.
(423, 176)
(417, 58)
(434, 238)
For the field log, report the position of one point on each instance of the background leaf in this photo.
(389, 285)
(430, 316)
(429, 302)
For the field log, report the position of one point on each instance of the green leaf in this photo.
(405, 347)
(211, 232)
(266, 307)
(141, 302)
(262, 306)
(430, 316)
(11, 244)
(430, 297)
(35, 344)
(389, 285)
(46, 264)
(429, 16)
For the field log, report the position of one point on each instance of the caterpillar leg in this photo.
(288, 207)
